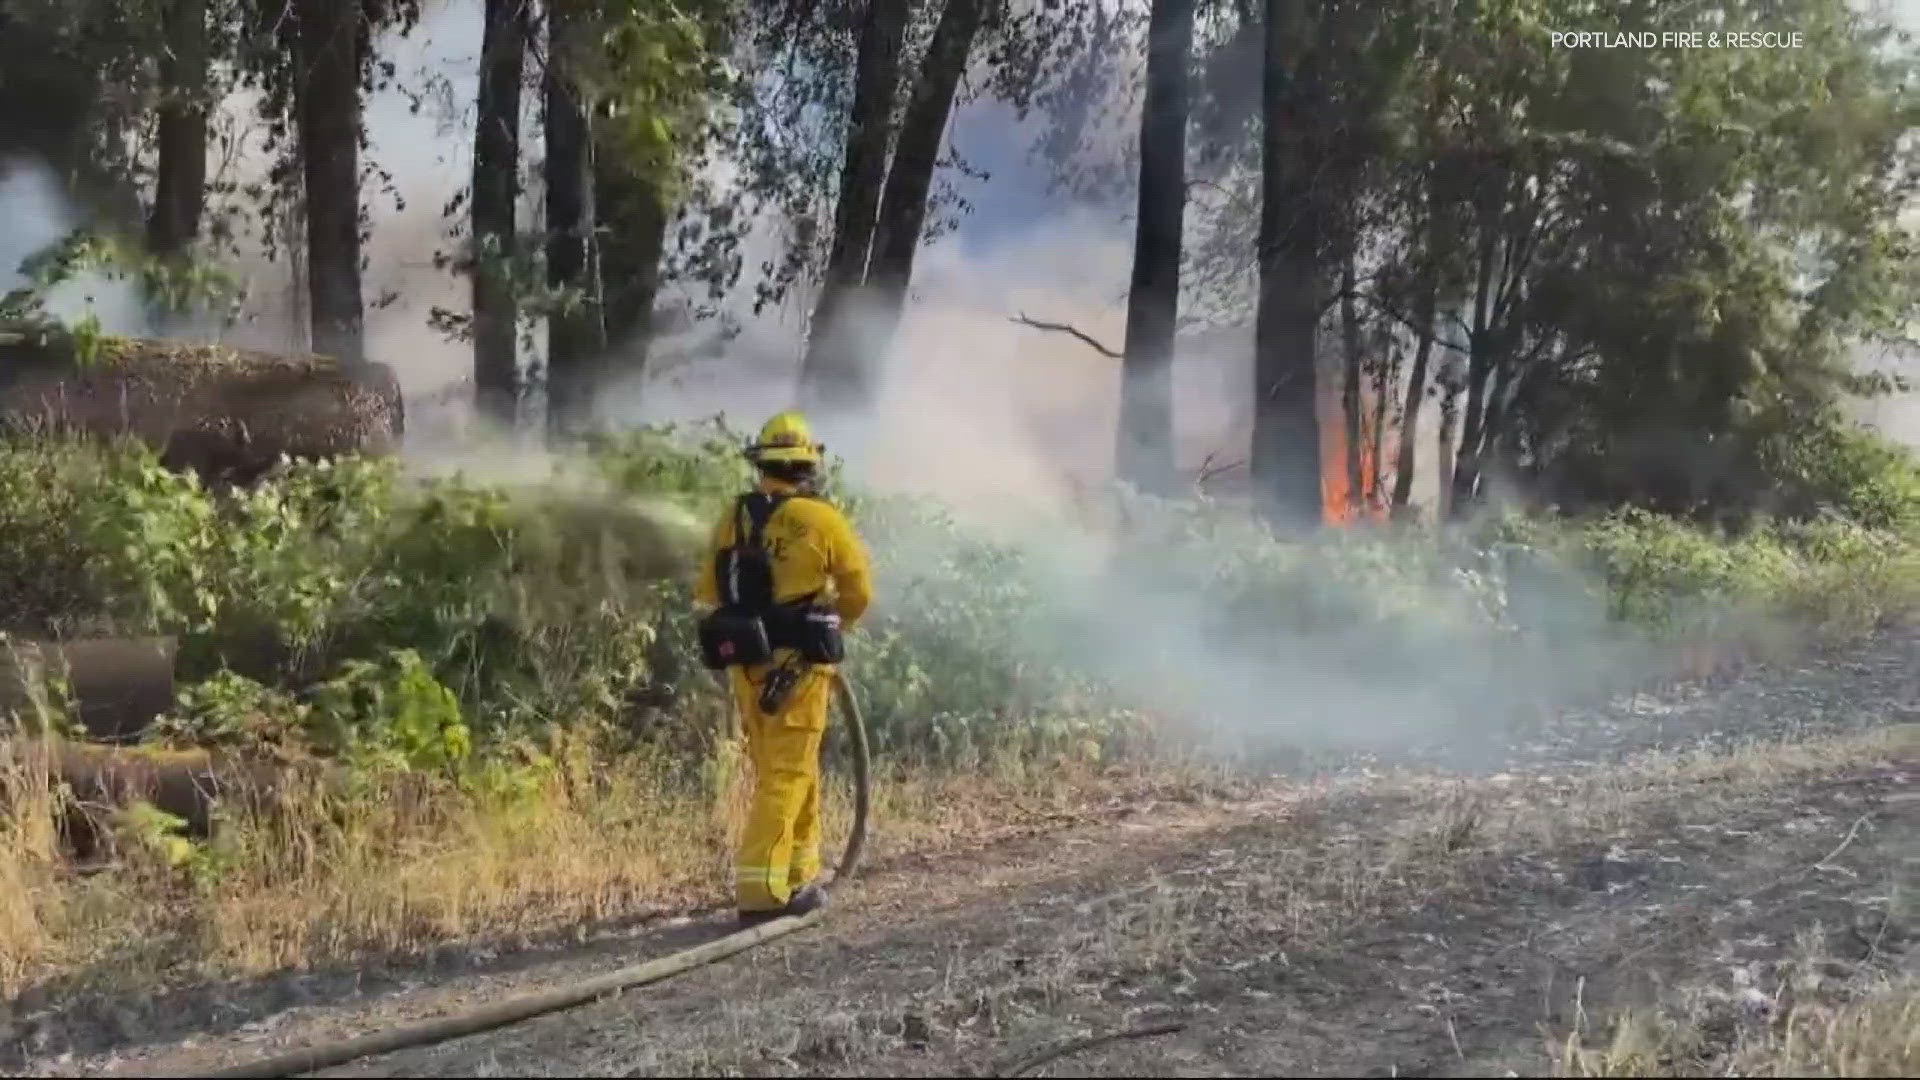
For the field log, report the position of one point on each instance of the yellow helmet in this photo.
(785, 438)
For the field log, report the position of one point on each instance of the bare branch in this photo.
(1077, 1045)
(1063, 328)
(1209, 470)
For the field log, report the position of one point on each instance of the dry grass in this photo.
(1281, 908)
(1818, 1014)
(1273, 909)
(404, 868)
(1870, 1030)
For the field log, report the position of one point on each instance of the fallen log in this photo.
(118, 686)
(226, 414)
(102, 781)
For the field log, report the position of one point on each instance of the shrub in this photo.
(425, 623)
(1841, 469)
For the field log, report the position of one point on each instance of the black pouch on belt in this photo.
(813, 632)
(729, 637)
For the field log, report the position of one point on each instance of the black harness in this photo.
(748, 626)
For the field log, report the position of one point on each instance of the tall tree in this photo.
(902, 214)
(1351, 363)
(632, 239)
(1417, 383)
(180, 171)
(629, 98)
(1429, 247)
(329, 34)
(576, 334)
(1143, 452)
(496, 191)
(836, 372)
(1286, 441)
(1676, 330)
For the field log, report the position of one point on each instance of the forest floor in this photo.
(1707, 878)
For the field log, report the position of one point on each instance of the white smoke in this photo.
(36, 215)
(1012, 426)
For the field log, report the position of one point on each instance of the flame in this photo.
(1337, 506)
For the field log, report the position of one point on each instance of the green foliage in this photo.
(382, 714)
(159, 538)
(44, 705)
(1860, 475)
(46, 581)
(392, 713)
(657, 67)
(348, 609)
(226, 708)
(171, 283)
(1657, 568)
(952, 666)
(151, 829)
(1654, 264)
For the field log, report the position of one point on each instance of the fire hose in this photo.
(526, 1006)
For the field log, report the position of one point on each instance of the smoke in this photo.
(1229, 635)
(38, 215)
(1233, 639)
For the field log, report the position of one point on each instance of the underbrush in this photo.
(506, 672)
(1869, 1027)
(399, 865)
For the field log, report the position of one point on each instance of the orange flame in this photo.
(1337, 506)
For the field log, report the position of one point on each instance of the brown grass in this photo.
(402, 868)
(1865, 1030)
(1278, 900)
(1291, 898)
(1858, 1022)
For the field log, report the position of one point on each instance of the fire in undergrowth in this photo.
(1340, 504)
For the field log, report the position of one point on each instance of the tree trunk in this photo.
(1350, 388)
(1386, 378)
(1143, 448)
(1493, 414)
(1286, 435)
(634, 216)
(328, 117)
(903, 206)
(1450, 385)
(1416, 398)
(836, 373)
(496, 191)
(180, 174)
(1481, 353)
(575, 332)
(1426, 311)
(1426, 301)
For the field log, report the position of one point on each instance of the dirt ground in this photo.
(1714, 851)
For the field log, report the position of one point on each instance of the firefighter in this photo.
(820, 584)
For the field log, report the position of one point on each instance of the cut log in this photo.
(226, 414)
(118, 685)
(102, 781)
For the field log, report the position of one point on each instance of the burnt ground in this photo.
(1701, 844)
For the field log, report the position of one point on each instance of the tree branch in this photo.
(1208, 470)
(1062, 328)
(1379, 301)
(1075, 1046)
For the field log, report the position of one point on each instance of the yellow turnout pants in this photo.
(780, 848)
